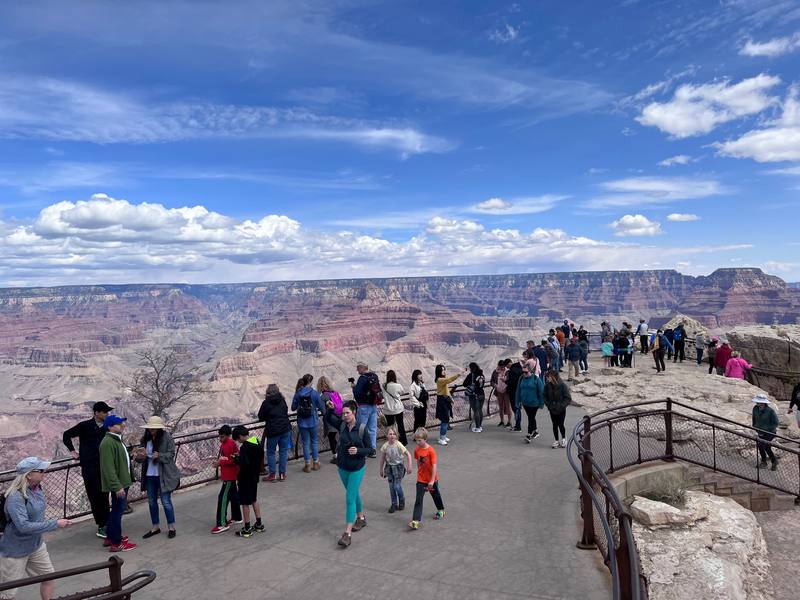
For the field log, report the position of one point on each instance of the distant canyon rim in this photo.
(63, 348)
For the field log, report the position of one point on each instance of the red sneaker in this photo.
(108, 543)
(219, 529)
(123, 547)
(270, 478)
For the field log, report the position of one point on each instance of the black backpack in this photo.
(374, 391)
(305, 407)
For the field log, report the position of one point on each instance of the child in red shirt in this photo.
(427, 478)
(228, 473)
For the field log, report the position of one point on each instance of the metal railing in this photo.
(194, 456)
(118, 588)
(634, 434)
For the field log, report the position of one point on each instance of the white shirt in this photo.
(393, 405)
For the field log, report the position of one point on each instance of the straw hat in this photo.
(761, 399)
(154, 422)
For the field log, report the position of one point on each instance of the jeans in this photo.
(517, 415)
(699, 355)
(396, 484)
(442, 430)
(98, 499)
(397, 421)
(114, 527)
(368, 415)
(310, 443)
(558, 425)
(437, 499)
(154, 492)
(476, 406)
(228, 494)
(531, 412)
(584, 363)
(281, 442)
(351, 480)
(658, 357)
(764, 449)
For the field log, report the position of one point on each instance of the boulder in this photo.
(654, 514)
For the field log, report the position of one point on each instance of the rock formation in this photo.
(776, 351)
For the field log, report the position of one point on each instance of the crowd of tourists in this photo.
(523, 385)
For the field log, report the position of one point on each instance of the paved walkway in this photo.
(510, 532)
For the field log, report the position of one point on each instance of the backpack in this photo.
(500, 386)
(374, 391)
(336, 400)
(677, 335)
(305, 407)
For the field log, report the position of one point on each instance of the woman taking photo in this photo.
(557, 398)
(354, 446)
(23, 552)
(474, 383)
(160, 474)
(419, 399)
(444, 401)
(393, 408)
(332, 401)
(277, 431)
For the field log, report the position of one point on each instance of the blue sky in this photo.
(245, 141)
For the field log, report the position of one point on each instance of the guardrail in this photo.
(194, 453)
(118, 588)
(634, 434)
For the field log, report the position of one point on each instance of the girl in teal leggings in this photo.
(354, 446)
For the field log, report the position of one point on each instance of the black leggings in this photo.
(420, 417)
(558, 424)
(531, 412)
(476, 405)
(397, 421)
(437, 499)
(764, 449)
(332, 441)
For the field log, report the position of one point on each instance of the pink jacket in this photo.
(736, 368)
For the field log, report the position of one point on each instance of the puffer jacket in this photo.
(530, 391)
(275, 415)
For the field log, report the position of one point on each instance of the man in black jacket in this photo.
(90, 433)
(512, 381)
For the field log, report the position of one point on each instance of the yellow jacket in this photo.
(443, 382)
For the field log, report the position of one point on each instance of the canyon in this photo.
(61, 349)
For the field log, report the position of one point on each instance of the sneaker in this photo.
(474, 429)
(528, 439)
(123, 547)
(360, 523)
(564, 443)
(307, 468)
(556, 444)
(235, 521)
(439, 515)
(447, 439)
(269, 478)
(107, 542)
(414, 525)
(534, 435)
(402, 505)
(443, 442)
(509, 427)
(501, 424)
(373, 453)
(220, 529)
(333, 460)
(480, 430)
(259, 528)
(774, 466)
(345, 540)
(517, 429)
(101, 532)
(761, 465)
(392, 509)
(245, 532)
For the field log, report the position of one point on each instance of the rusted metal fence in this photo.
(195, 454)
(633, 434)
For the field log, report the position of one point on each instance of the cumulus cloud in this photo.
(771, 48)
(680, 159)
(698, 109)
(635, 225)
(108, 240)
(517, 206)
(653, 191)
(778, 142)
(682, 217)
(505, 34)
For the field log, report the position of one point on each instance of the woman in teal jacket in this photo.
(530, 394)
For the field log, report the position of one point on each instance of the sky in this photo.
(205, 142)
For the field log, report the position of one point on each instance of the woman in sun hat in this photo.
(765, 419)
(23, 552)
(160, 474)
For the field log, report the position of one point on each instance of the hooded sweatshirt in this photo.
(275, 415)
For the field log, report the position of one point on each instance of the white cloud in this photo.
(771, 48)
(653, 191)
(778, 142)
(680, 159)
(108, 240)
(682, 217)
(698, 109)
(505, 34)
(517, 206)
(635, 225)
(51, 109)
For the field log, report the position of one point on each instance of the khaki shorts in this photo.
(36, 563)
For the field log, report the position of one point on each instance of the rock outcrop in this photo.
(776, 351)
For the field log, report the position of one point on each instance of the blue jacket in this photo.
(572, 352)
(26, 524)
(663, 342)
(541, 354)
(316, 402)
(530, 391)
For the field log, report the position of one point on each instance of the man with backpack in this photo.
(368, 396)
(679, 341)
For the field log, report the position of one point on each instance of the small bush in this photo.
(669, 490)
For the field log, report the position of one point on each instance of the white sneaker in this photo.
(446, 439)
(564, 443)
(474, 430)
(479, 430)
(443, 442)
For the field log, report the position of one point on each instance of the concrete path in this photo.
(510, 532)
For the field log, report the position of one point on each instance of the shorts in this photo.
(36, 563)
(248, 492)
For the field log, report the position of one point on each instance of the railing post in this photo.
(115, 573)
(624, 558)
(668, 453)
(587, 537)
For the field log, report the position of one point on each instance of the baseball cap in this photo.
(113, 420)
(32, 463)
(101, 407)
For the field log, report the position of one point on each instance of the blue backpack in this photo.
(677, 335)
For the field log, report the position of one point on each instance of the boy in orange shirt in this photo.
(427, 478)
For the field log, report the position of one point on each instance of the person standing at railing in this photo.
(419, 399)
(766, 420)
(794, 402)
(228, 475)
(699, 346)
(277, 431)
(393, 407)
(444, 401)
(160, 475)
(500, 385)
(308, 405)
(90, 433)
(473, 384)
(366, 393)
(332, 401)
(737, 367)
(115, 478)
(22, 548)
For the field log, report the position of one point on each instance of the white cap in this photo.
(761, 399)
